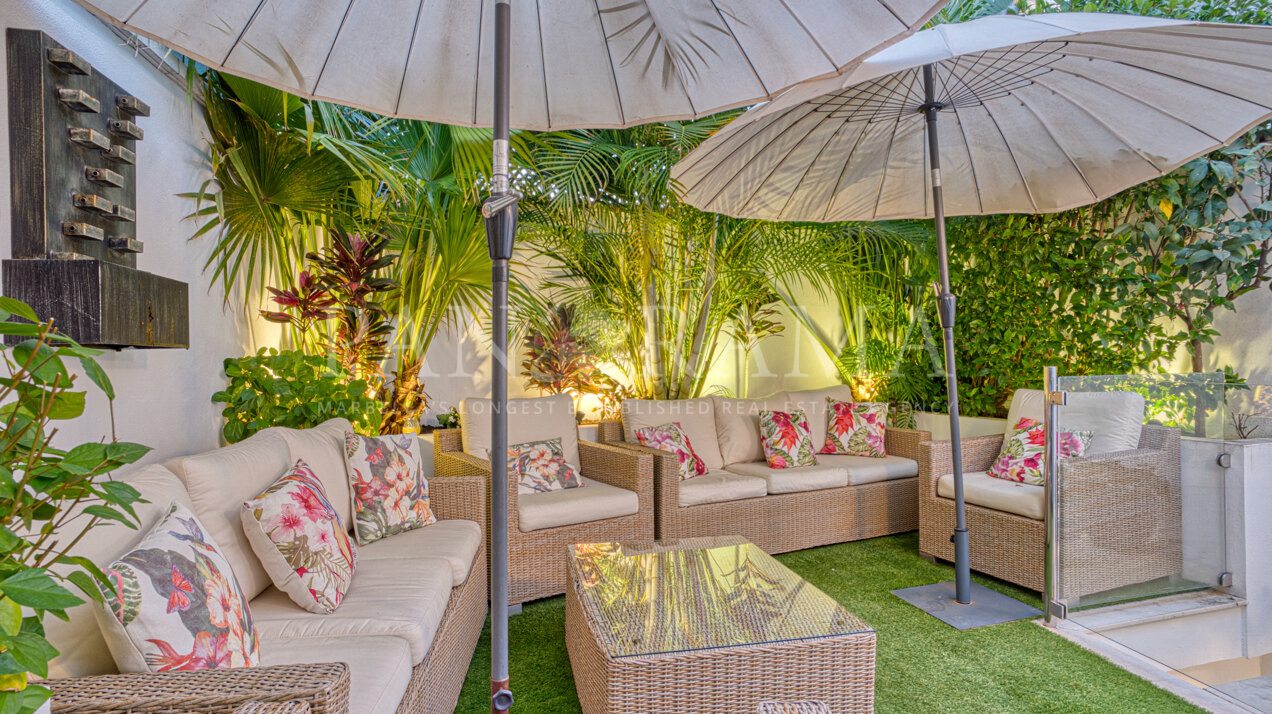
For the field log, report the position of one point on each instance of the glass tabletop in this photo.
(669, 596)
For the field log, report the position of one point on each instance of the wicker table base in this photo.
(736, 664)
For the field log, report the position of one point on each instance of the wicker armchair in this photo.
(1119, 517)
(537, 559)
(784, 522)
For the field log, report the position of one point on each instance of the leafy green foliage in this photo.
(49, 497)
(292, 389)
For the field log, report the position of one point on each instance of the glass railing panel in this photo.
(1140, 513)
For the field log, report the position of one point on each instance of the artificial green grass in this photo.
(923, 665)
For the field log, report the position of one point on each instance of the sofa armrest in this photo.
(324, 687)
(459, 497)
(904, 442)
(617, 466)
(609, 432)
(447, 441)
(449, 464)
(936, 460)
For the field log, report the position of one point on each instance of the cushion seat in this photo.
(595, 501)
(796, 479)
(869, 469)
(402, 598)
(981, 489)
(455, 540)
(719, 487)
(379, 667)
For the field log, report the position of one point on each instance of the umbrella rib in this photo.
(844, 172)
(790, 11)
(618, 97)
(481, 19)
(733, 35)
(764, 148)
(971, 162)
(410, 50)
(883, 178)
(331, 50)
(1095, 196)
(1019, 171)
(895, 14)
(799, 184)
(1072, 101)
(1168, 76)
(246, 26)
(543, 62)
(1153, 50)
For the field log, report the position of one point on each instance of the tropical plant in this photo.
(444, 277)
(755, 321)
(561, 360)
(284, 171)
(353, 267)
(50, 498)
(292, 389)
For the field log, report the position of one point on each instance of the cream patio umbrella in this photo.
(549, 64)
(1040, 113)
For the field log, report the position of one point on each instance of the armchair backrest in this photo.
(535, 419)
(695, 416)
(1117, 418)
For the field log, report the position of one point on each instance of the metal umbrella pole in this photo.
(500, 212)
(946, 308)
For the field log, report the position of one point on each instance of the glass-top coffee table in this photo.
(710, 625)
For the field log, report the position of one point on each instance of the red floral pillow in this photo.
(671, 437)
(787, 441)
(1021, 457)
(855, 428)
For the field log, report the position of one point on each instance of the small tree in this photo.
(1200, 237)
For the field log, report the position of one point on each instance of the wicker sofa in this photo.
(615, 504)
(401, 641)
(1119, 506)
(841, 499)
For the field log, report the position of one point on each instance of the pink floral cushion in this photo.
(540, 466)
(1021, 457)
(173, 603)
(786, 439)
(298, 537)
(388, 490)
(672, 437)
(855, 428)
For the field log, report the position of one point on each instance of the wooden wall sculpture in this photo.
(73, 142)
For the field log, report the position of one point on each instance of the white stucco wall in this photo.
(162, 394)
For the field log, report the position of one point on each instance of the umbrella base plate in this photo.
(986, 608)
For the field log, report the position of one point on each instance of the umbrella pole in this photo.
(946, 307)
(500, 211)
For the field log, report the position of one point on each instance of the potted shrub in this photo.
(43, 490)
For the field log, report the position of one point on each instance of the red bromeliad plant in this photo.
(344, 284)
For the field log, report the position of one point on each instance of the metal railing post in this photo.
(1053, 609)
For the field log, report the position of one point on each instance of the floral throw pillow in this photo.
(787, 441)
(388, 490)
(540, 467)
(1021, 457)
(173, 603)
(672, 437)
(855, 428)
(296, 533)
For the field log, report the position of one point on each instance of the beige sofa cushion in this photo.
(455, 540)
(219, 482)
(719, 487)
(868, 469)
(1117, 418)
(695, 416)
(595, 501)
(981, 489)
(402, 598)
(737, 424)
(379, 667)
(83, 649)
(322, 447)
(536, 419)
(813, 402)
(794, 480)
